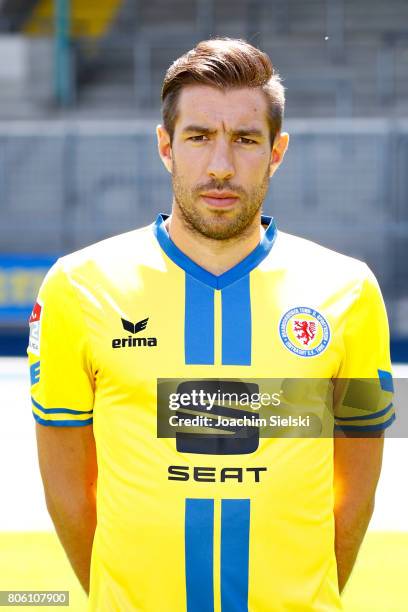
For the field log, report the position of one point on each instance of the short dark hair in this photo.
(223, 63)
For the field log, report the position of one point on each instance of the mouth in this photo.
(220, 199)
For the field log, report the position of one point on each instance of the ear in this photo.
(280, 145)
(164, 146)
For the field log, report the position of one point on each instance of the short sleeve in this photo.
(364, 386)
(60, 367)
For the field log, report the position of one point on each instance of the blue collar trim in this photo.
(230, 276)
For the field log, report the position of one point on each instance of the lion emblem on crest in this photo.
(305, 331)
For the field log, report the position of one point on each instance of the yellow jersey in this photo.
(186, 523)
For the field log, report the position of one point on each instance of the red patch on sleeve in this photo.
(36, 313)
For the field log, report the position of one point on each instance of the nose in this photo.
(221, 166)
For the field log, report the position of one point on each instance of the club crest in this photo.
(304, 331)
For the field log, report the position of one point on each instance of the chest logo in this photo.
(133, 328)
(134, 341)
(304, 331)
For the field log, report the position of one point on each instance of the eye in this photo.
(243, 140)
(199, 138)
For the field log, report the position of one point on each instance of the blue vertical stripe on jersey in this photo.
(236, 323)
(235, 518)
(199, 534)
(198, 323)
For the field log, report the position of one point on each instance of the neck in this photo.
(215, 256)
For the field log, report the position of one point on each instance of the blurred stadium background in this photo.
(79, 100)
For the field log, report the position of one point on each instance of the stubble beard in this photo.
(218, 225)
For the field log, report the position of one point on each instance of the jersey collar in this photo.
(230, 276)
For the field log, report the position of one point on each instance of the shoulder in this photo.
(299, 255)
(308, 270)
(112, 256)
(135, 246)
(107, 261)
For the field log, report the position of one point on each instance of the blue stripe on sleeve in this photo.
(199, 534)
(235, 519)
(59, 410)
(386, 381)
(62, 423)
(374, 415)
(198, 323)
(236, 323)
(363, 428)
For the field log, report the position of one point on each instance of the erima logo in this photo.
(132, 341)
(134, 328)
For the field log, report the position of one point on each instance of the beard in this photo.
(218, 224)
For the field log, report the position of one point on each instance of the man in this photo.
(202, 522)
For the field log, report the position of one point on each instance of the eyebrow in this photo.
(248, 132)
(240, 132)
(198, 128)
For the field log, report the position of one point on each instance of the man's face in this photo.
(220, 158)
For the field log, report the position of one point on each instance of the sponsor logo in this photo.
(211, 474)
(134, 341)
(35, 373)
(34, 323)
(134, 328)
(239, 436)
(304, 331)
